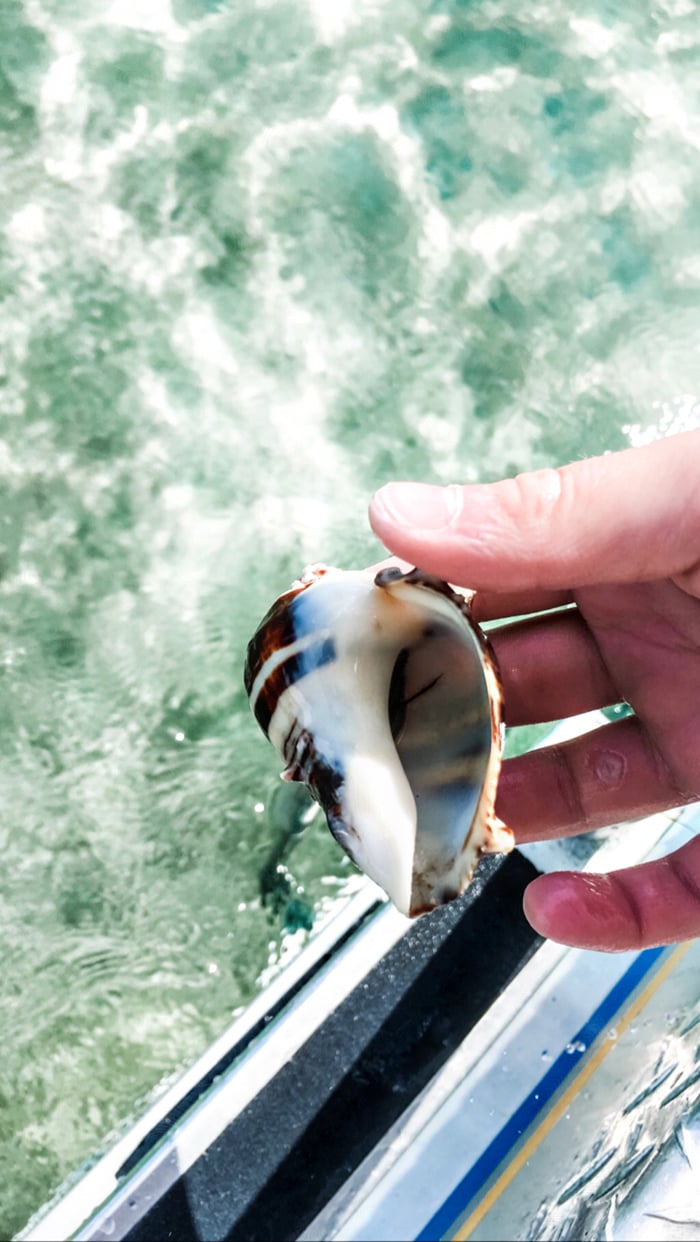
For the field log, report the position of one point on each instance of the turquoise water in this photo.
(254, 261)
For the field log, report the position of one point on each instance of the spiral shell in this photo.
(382, 695)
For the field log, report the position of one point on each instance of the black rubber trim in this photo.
(232, 1054)
(279, 1162)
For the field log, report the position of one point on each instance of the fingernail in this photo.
(417, 505)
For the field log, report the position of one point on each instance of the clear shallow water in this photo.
(254, 261)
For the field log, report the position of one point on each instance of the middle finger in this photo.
(550, 668)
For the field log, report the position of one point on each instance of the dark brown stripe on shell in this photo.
(286, 674)
(276, 630)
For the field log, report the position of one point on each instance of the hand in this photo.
(619, 537)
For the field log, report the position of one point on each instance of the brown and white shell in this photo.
(381, 693)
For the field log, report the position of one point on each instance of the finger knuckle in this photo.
(536, 498)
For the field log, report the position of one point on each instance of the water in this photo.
(254, 261)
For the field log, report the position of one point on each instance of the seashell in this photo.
(382, 695)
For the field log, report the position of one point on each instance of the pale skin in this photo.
(618, 536)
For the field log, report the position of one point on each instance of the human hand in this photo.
(619, 537)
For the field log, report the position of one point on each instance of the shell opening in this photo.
(440, 719)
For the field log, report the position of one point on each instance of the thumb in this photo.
(625, 517)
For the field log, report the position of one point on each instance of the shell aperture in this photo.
(382, 695)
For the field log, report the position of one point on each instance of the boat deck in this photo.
(454, 1077)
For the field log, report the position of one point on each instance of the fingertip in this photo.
(384, 513)
(578, 910)
(541, 902)
(412, 506)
